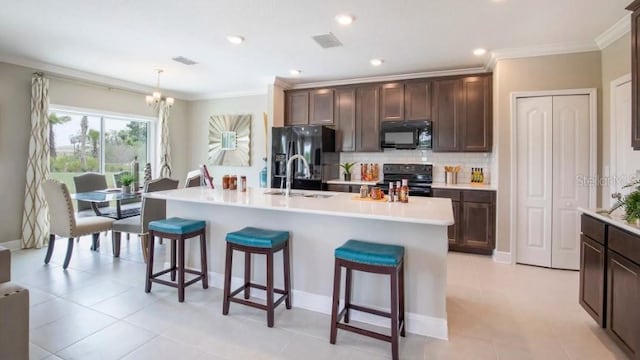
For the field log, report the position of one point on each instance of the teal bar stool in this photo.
(177, 230)
(372, 258)
(252, 240)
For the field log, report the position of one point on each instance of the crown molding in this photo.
(543, 50)
(280, 82)
(87, 77)
(228, 95)
(465, 71)
(615, 32)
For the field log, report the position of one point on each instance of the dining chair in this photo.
(64, 223)
(193, 179)
(152, 209)
(89, 182)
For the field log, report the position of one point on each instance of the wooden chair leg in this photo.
(203, 260)
(144, 243)
(394, 316)
(401, 295)
(115, 242)
(95, 245)
(287, 275)
(247, 274)
(181, 269)
(67, 257)
(336, 301)
(52, 241)
(270, 307)
(227, 279)
(173, 259)
(347, 295)
(151, 237)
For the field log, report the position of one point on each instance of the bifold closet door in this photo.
(534, 146)
(571, 139)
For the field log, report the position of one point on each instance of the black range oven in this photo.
(419, 176)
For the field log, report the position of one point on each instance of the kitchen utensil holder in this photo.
(451, 177)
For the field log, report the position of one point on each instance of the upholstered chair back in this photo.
(90, 182)
(62, 219)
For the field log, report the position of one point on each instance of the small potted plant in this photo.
(347, 167)
(126, 180)
(630, 203)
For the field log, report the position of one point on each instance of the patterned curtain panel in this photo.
(165, 148)
(35, 219)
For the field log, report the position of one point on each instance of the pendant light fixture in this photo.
(155, 98)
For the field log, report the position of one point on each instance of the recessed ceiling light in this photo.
(479, 52)
(344, 19)
(376, 62)
(235, 39)
(295, 72)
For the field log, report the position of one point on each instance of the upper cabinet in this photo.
(297, 108)
(635, 74)
(462, 116)
(367, 115)
(417, 100)
(345, 119)
(321, 107)
(392, 106)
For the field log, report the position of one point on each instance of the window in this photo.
(81, 141)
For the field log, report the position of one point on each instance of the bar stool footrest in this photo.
(361, 331)
(232, 295)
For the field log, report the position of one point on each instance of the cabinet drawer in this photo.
(449, 194)
(338, 188)
(624, 243)
(593, 228)
(478, 196)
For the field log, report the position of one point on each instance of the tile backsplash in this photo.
(439, 160)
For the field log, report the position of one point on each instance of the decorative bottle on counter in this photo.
(396, 192)
(390, 197)
(135, 171)
(263, 174)
(404, 191)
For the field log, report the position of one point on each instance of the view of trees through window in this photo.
(91, 143)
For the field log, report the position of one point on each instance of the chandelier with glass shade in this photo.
(156, 97)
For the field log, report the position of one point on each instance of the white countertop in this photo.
(472, 186)
(352, 182)
(615, 219)
(419, 210)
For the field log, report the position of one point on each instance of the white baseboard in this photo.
(415, 323)
(12, 245)
(502, 257)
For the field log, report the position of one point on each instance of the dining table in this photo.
(96, 197)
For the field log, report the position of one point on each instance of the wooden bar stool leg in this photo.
(336, 301)
(173, 259)
(347, 295)
(227, 279)
(394, 315)
(247, 274)
(401, 295)
(151, 241)
(180, 269)
(287, 275)
(270, 307)
(203, 260)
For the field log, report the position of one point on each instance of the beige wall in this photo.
(15, 126)
(572, 71)
(616, 62)
(199, 113)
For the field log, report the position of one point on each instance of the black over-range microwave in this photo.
(410, 134)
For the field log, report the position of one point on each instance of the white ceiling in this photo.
(127, 39)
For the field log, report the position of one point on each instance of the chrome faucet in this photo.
(288, 173)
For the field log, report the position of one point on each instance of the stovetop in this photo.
(419, 176)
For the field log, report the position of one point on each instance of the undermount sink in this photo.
(278, 192)
(318, 196)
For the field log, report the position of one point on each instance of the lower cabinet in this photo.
(343, 188)
(474, 213)
(592, 278)
(623, 301)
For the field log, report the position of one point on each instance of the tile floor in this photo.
(97, 309)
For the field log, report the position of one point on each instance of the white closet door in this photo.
(570, 160)
(534, 180)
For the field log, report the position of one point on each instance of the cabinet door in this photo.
(452, 231)
(345, 119)
(417, 101)
(392, 102)
(446, 115)
(367, 124)
(635, 75)
(623, 297)
(338, 188)
(592, 278)
(297, 108)
(477, 226)
(321, 107)
(475, 118)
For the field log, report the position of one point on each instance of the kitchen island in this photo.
(318, 223)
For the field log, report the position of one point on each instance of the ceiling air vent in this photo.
(184, 60)
(327, 40)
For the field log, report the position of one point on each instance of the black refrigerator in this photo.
(317, 144)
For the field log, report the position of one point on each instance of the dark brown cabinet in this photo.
(592, 278)
(321, 107)
(474, 213)
(417, 100)
(623, 299)
(343, 188)
(345, 119)
(297, 108)
(446, 118)
(635, 74)
(392, 104)
(367, 123)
